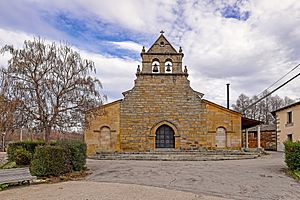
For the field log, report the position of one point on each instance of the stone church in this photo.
(162, 111)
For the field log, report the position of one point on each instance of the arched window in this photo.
(164, 137)
(155, 65)
(221, 137)
(168, 66)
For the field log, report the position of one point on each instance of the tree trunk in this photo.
(47, 134)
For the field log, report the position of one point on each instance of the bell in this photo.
(168, 68)
(155, 68)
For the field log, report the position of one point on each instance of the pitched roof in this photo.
(286, 107)
(104, 105)
(221, 107)
(264, 127)
(160, 43)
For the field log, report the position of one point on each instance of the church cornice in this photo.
(163, 74)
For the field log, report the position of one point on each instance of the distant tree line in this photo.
(262, 110)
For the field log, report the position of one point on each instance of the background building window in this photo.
(289, 117)
(290, 137)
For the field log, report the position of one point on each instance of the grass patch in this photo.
(9, 165)
(295, 174)
(4, 186)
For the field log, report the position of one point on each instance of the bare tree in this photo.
(262, 110)
(242, 103)
(52, 84)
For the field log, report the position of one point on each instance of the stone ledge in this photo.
(177, 155)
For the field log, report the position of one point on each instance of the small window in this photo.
(162, 44)
(290, 137)
(289, 117)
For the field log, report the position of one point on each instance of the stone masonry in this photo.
(162, 97)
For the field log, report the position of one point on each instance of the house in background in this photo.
(288, 124)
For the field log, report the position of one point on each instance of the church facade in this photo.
(162, 111)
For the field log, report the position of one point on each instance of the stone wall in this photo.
(103, 132)
(162, 99)
(218, 116)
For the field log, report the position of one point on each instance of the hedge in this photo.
(76, 153)
(292, 155)
(50, 161)
(23, 157)
(73, 153)
(27, 145)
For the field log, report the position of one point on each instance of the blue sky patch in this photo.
(95, 35)
(233, 11)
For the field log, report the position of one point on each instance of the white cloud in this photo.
(116, 74)
(249, 54)
(129, 45)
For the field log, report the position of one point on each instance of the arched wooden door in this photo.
(165, 137)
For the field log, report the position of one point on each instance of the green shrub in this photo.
(27, 145)
(23, 157)
(50, 161)
(292, 155)
(76, 153)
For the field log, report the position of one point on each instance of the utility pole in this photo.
(227, 95)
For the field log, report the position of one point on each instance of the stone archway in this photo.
(164, 137)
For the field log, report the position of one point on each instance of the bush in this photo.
(292, 155)
(76, 153)
(27, 145)
(23, 157)
(50, 161)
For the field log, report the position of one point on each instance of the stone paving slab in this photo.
(81, 190)
(262, 178)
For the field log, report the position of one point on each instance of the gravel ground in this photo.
(81, 190)
(261, 178)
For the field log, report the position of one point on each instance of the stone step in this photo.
(214, 152)
(178, 156)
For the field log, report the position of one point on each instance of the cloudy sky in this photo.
(249, 44)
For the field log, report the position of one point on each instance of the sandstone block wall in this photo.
(218, 116)
(103, 132)
(162, 99)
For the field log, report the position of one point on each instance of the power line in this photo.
(280, 79)
(271, 92)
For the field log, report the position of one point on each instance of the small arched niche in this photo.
(155, 65)
(221, 137)
(105, 138)
(168, 66)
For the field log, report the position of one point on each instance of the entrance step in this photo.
(173, 155)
